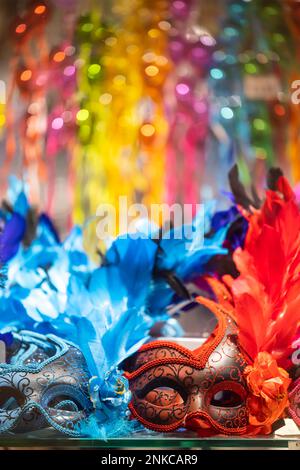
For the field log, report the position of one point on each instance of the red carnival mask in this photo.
(237, 382)
(204, 389)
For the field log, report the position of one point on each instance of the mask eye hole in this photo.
(65, 403)
(226, 399)
(10, 398)
(65, 397)
(163, 391)
(164, 396)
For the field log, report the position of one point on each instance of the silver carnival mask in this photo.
(43, 382)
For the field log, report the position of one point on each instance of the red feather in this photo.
(266, 295)
(264, 300)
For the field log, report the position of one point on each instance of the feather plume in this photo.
(265, 297)
(267, 292)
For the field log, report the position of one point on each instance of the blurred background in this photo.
(152, 99)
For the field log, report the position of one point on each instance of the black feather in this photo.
(7, 207)
(31, 227)
(272, 178)
(238, 190)
(174, 282)
(257, 202)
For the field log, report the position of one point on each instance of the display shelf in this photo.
(158, 441)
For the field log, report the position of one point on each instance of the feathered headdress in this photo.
(264, 300)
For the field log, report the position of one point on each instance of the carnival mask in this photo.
(214, 389)
(204, 389)
(240, 380)
(294, 398)
(43, 383)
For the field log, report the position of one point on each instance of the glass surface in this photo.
(144, 440)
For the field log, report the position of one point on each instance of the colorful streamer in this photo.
(146, 99)
(28, 76)
(122, 127)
